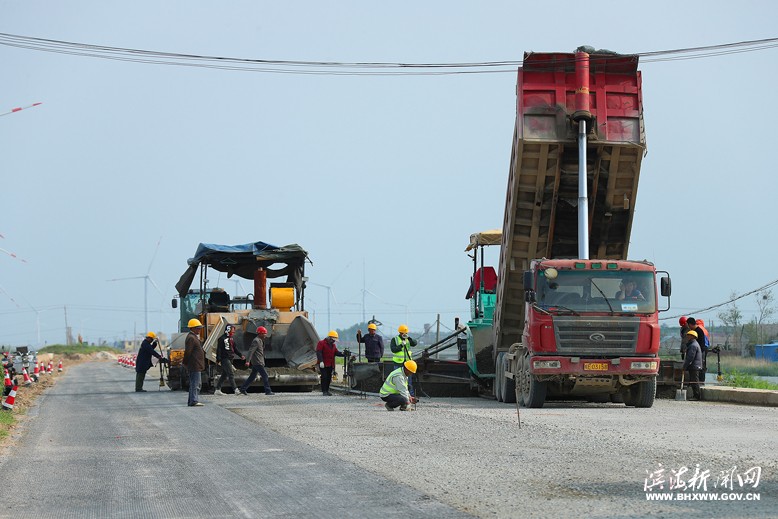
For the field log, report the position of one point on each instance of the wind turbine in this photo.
(146, 280)
(330, 294)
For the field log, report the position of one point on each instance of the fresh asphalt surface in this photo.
(95, 448)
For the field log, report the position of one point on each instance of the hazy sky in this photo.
(381, 178)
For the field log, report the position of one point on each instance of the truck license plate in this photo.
(596, 366)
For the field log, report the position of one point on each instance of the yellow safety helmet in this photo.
(410, 365)
(333, 334)
(372, 326)
(402, 329)
(194, 323)
(692, 333)
(151, 335)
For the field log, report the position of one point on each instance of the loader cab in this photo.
(192, 305)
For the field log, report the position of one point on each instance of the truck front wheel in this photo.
(533, 392)
(645, 392)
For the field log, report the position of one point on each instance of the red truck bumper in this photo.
(550, 365)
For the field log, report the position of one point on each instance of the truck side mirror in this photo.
(666, 286)
(529, 288)
(174, 302)
(528, 280)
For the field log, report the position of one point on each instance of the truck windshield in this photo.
(587, 291)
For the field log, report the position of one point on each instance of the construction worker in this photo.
(401, 349)
(326, 351)
(703, 340)
(401, 346)
(194, 360)
(395, 392)
(225, 353)
(693, 362)
(256, 360)
(684, 329)
(374, 343)
(143, 360)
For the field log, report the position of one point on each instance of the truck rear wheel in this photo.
(645, 392)
(508, 384)
(533, 392)
(498, 377)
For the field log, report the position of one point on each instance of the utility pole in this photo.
(363, 290)
(67, 328)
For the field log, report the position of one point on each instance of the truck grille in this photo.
(596, 335)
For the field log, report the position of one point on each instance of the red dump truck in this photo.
(573, 317)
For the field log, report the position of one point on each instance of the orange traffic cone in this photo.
(27, 379)
(59, 368)
(7, 381)
(8, 405)
(50, 368)
(35, 371)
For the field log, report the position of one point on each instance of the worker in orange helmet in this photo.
(684, 329)
(256, 360)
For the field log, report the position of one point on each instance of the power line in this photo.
(335, 68)
(703, 310)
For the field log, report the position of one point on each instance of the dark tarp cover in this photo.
(243, 261)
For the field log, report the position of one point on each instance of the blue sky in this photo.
(382, 179)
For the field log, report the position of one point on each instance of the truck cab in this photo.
(591, 329)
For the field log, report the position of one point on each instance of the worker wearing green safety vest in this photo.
(395, 392)
(401, 346)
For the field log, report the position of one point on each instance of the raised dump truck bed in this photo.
(542, 197)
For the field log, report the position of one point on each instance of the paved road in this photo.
(95, 448)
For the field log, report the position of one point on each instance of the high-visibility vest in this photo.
(389, 387)
(405, 352)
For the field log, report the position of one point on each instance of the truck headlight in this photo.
(644, 365)
(546, 364)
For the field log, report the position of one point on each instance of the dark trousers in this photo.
(326, 378)
(228, 374)
(394, 400)
(139, 378)
(194, 387)
(374, 359)
(694, 381)
(253, 376)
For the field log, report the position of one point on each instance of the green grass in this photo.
(61, 349)
(746, 365)
(7, 419)
(736, 378)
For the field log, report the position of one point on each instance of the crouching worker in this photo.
(395, 390)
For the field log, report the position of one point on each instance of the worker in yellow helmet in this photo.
(374, 343)
(395, 392)
(143, 360)
(401, 345)
(194, 360)
(326, 351)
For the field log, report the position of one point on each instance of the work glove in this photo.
(321, 365)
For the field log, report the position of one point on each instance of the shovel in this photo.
(680, 394)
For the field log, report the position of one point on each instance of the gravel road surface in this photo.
(95, 447)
